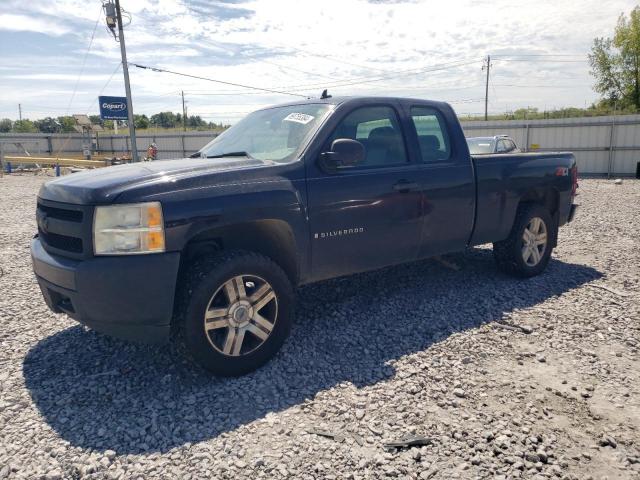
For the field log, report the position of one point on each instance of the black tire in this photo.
(203, 281)
(508, 253)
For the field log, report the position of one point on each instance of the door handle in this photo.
(404, 186)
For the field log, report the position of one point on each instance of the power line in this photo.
(269, 62)
(359, 80)
(104, 87)
(376, 78)
(539, 86)
(89, 107)
(250, 87)
(84, 61)
(336, 84)
(516, 55)
(334, 59)
(75, 88)
(48, 109)
(530, 60)
(444, 66)
(415, 88)
(224, 93)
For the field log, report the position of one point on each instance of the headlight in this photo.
(128, 229)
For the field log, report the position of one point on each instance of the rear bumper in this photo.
(128, 297)
(567, 212)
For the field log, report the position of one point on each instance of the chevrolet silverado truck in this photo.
(208, 250)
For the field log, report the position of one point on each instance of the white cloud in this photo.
(24, 23)
(288, 43)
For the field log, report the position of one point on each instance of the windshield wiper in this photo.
(231, 154)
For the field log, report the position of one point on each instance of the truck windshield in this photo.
(480, 146)
(275, 134)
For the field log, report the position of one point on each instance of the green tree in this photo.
(24, 126)
(96, 120)
(66, 124)
(195, 121)
(164, 119)
(5, 125)
(615, 62)
(141, 121)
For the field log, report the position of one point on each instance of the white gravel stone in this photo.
(409, 350)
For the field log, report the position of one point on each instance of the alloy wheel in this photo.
(534, 241)
(241, 315)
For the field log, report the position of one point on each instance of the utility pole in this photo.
(114, 15)
(127, 86)
(184, 114)
(20, 111)
(486, 89)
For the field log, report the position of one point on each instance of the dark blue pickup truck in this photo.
(208, 249)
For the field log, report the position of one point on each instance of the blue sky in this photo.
(353, 46)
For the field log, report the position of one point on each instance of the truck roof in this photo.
(360, 100)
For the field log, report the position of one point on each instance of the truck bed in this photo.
(503, 180)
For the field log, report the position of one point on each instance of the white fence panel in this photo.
(601, 144)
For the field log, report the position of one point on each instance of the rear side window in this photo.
(432, 134)
(378, 129)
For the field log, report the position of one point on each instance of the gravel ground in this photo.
(505, 378)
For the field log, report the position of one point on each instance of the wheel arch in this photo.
(548, 198)
(272, 238)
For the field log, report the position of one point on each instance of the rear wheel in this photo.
(239, 308)
(527, 250)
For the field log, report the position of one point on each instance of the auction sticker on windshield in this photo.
(298, 118)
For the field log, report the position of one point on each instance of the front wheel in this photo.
(239, 309)
(527, 250)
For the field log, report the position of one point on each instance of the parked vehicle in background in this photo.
(491, 145)
(212, 247)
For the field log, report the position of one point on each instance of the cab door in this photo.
(445, 176)
(369, 215)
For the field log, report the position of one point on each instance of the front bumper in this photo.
(129, 297)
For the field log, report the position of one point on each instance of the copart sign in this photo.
(113, 108)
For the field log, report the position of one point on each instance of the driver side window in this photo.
(378, 129)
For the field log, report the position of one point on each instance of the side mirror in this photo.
(344, 153)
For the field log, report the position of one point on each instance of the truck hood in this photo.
(103, 185)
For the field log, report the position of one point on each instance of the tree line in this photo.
(65, 124)
(598, 109)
